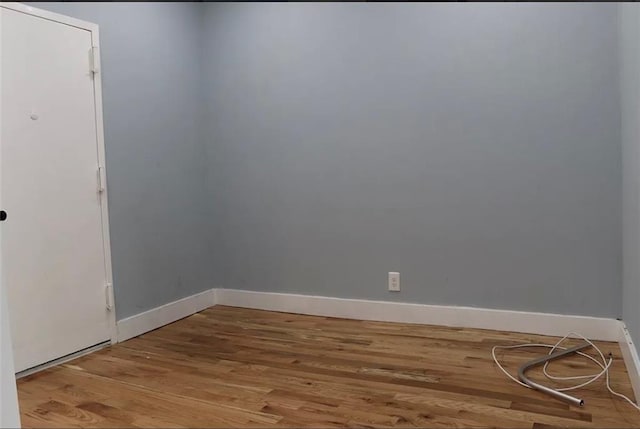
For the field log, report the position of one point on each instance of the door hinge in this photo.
(108, 291)
(94, 60)
(101, 179)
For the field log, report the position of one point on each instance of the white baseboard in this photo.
(631, 360)
(596, 328)
(163, 315)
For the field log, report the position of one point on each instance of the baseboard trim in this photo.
(595, 328)
(631, 360)
(163, 315)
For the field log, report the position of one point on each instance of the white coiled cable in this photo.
(604, 366)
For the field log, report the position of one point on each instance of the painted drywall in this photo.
(155, 152)
(630, 96)
(473, 148)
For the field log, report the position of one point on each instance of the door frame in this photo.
(97, 90)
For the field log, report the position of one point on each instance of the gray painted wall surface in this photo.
(473, 148)
(630, 94)
(155, 152)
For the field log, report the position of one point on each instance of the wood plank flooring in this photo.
(233, 367)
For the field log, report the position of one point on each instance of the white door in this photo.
(53, 259)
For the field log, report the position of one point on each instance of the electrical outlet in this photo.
(394, 282)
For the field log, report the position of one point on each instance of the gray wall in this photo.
(473, 148)
(630, 95)
(155, 151)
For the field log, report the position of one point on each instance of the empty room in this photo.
(319, 215)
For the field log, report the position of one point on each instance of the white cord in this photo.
(604, 366)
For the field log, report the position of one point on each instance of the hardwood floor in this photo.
(233, 367)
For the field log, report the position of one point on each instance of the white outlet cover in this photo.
(394, 281)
